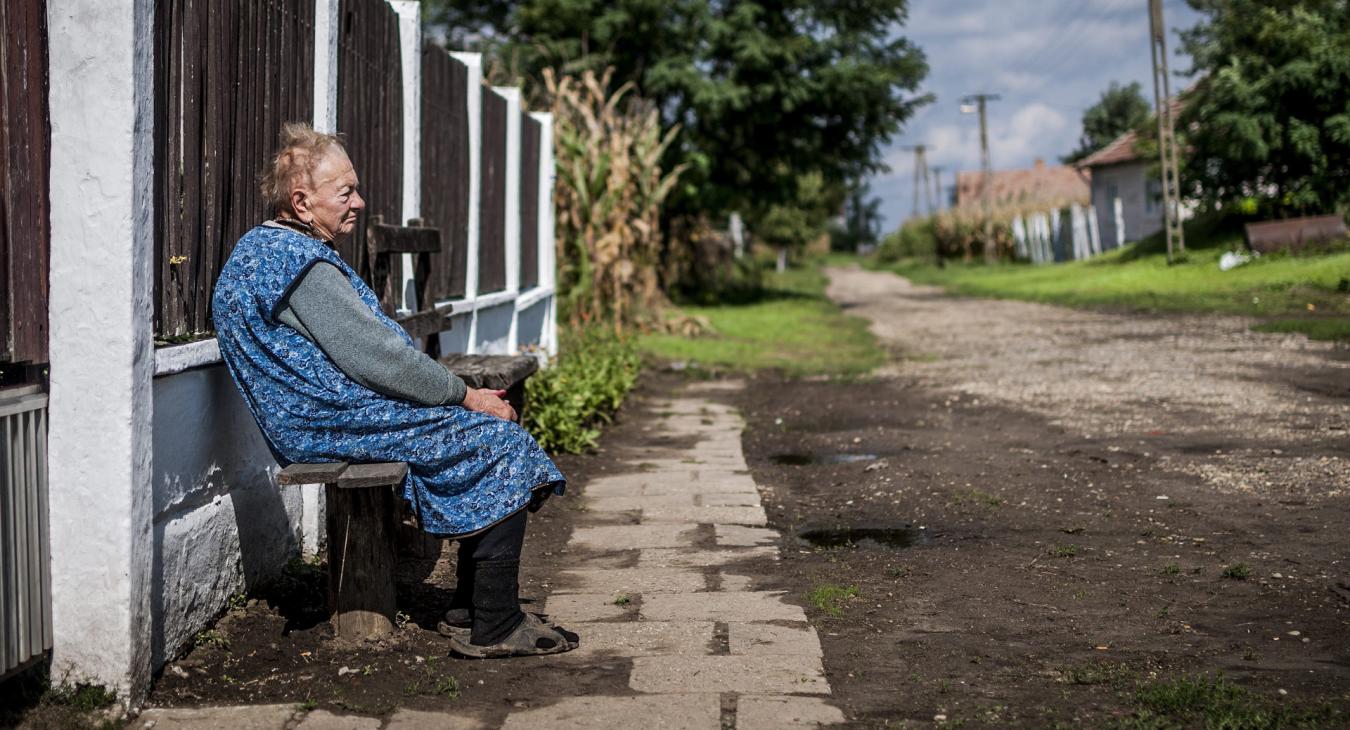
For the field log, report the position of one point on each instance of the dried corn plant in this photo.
(610, 187)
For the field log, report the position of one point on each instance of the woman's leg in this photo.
(493, 572)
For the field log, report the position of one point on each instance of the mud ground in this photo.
(1084, 491)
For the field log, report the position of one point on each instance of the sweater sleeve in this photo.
(325, 309)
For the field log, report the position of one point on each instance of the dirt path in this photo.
(1277, 407)
(1091, 503)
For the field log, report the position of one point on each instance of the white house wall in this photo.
(1131, 181)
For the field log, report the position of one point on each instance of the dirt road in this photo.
(1093, 502)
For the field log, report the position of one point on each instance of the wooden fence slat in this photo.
(530, 131)
(492, 210)
(445, 168)
(24, 169)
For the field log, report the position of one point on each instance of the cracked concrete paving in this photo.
(655, 582)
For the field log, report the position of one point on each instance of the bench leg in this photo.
(361, 561)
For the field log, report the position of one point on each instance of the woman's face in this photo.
(332, 201)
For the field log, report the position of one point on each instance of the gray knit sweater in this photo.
(325, 308)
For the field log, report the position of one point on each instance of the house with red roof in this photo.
(1126, 192)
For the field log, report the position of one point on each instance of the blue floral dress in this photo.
(466, 470)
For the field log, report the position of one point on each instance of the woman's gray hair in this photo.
(302, 147)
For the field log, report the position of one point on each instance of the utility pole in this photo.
(937, 186)
(1167, 142)
(920, 178)
(982, 100)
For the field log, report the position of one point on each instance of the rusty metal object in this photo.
(1294, 234)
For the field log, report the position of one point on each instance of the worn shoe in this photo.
(532, 637)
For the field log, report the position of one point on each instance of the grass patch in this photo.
(1333, 330)
(1202, 701)
(1237, 571)
(828, 597)
(1062, 551)
(1300, 293)
(789, 325)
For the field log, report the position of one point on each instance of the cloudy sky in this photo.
(1048, 59)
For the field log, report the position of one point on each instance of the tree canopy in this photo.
(1269, 117)
(764, 91)
(1119, 110)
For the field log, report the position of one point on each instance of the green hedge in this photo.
(569, 401)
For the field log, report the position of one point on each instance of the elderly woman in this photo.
(329, 377)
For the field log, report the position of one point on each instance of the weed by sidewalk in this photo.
(829, 598)
(789, 325)
(1300, 293)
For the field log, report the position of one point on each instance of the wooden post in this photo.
(361, 561)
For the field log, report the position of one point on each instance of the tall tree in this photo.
(1269, 118)
(764, 90)
(1120, 109)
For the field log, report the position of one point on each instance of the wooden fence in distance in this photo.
(25, 155)
(227, 76)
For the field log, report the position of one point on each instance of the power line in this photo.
(982, 100)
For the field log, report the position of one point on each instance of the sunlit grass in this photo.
(1306, 292)
(792, 327)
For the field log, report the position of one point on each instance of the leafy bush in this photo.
(567, 402)
(913, 240)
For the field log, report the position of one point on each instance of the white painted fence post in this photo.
(512, 227)
(326, 30)
(548, 252)
(102, 357)
(410, 54)
(1118, 210)
(473, 96)
(1094, 235)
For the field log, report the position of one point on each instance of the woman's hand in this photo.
(489, 402)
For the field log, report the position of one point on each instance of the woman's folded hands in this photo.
(489, 402)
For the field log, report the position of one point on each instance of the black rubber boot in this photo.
(496, 601)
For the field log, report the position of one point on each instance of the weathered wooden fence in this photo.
(1063, 234)
(24, 163)
(370, 117)
(492, 209)
(530, 134)
(227, 76)
(445, 168)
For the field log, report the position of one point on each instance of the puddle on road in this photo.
(798, 459)
(864, 537)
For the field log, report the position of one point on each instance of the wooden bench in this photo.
(362, 523)
(364, 513)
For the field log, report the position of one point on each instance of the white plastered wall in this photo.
(102, 359)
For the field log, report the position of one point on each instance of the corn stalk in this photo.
(610, 187)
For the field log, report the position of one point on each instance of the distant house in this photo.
(1038, 186)
(1125, 194)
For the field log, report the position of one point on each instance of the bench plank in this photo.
(311, 473)
(358, 476)
(498, 372)
(426, 322)
(386, 238)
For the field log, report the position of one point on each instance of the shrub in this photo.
(568, 401)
